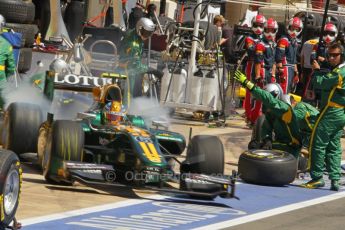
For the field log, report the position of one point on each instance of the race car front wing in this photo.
(194, 184)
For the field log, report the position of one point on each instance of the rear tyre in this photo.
(65, 141)
(25, 59)
(267, 167)
(17, 11)
(22, 121)
(10, 185)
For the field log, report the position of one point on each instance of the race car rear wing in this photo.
(77, 83)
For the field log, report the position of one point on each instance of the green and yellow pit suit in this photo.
(306, 116)
(280, 120)
(131, 57)
(325, 144)
(7, 64)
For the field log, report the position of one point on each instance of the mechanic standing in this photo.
(250, 43)
(325, 147)
(7, 63)
(286, 55)
(131, 55)
(280, 117)
(264, 63)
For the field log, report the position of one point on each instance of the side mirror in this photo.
(83, 116)
(162, 124)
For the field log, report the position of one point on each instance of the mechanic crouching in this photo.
(280, 117)
(325, 146)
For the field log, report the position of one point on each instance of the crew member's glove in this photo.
(273, 79)
(241, 78)
(267, 144)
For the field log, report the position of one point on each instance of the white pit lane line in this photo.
(224, 224)
(62, 215)
(272, 212)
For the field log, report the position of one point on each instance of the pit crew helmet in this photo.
(2, 22)
(258, 24)
(59, 66)
(270, 29)
(275, 90)
(330, 32)
(286, 98)
(113, 112)
(145, 27)
(295, 27)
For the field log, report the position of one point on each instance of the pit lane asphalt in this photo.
(40, 199)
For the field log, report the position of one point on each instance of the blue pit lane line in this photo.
(163, 212)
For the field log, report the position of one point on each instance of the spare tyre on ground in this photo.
(267, 167)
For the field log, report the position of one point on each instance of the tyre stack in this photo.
(19, 16)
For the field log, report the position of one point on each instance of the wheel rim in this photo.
(268, 153)
(11, 191)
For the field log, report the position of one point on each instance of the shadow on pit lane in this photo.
(181, 199)
(119, 192)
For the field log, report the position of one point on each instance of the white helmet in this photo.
(145, 27)
(258, 24)
(274, 89)
(2, 22)
(295, 27)
(270, 29)
(59, 66)
(330, 32)
(286, 98)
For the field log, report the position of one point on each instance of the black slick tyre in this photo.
(17, 11)
(65, 141)
(205, 155)
(257, 129)
(267, 167)
(22, 121)
(10, 185)
(25, 59)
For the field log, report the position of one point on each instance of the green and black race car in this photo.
(105, 145)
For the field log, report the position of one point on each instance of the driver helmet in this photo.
(270, 29)
(145, 27)
(113, 112)
(330, 32)
(274, 89)
(258, 24)
(295, 27)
